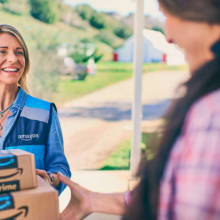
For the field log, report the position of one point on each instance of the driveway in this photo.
(94, 124)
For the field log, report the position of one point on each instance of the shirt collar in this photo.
(20, 99)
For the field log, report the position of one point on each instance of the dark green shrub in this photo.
(97, 21)
(123, 32)
(3, 1)
(156, 28)
(45, 10)
(79, 55)
(85, 11)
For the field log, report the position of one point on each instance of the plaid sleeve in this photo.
(197, 176)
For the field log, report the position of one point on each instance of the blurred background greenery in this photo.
(48, 25)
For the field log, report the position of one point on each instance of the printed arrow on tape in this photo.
(24, 210)
(19, 170)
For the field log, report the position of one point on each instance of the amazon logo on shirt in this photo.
(27, 137)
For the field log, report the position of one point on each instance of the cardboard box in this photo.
(17, 171)
(34, 204)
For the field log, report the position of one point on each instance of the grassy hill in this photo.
(74, 26)
(30, 28)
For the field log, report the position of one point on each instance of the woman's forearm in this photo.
(107, 203)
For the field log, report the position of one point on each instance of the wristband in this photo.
(51, 176)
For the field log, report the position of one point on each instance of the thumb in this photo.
(41, 172)
(65, 180)
(38, 171)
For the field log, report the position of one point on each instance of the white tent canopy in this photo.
(155, 49)
(159, 42)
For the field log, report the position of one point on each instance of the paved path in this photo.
(93, 125)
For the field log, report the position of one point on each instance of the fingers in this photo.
(65, 180)
(41, 173)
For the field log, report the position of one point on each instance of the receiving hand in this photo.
(80, 204)
(43, 175)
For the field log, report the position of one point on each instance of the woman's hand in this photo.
(84, 202)
(43, 175)
(80, 203)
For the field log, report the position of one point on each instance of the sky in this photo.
(123, 7)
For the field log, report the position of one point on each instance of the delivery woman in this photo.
(26, 122)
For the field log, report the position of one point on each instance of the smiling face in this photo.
(195, 38)
(12, 60)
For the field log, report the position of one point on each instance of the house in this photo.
(156, 49)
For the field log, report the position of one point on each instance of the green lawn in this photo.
(69, 89)
(119, 159)
(108, 73)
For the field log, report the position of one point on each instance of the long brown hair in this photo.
(145, 197)
(4, 28)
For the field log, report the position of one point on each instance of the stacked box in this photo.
(23, 195)
(17, 171)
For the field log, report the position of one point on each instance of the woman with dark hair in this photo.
(183, 180)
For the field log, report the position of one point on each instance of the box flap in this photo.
(16, 152)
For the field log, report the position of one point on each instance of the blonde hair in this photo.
(4, 28)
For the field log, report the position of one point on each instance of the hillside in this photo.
(73, 25)
(30, 28)
(60, 32)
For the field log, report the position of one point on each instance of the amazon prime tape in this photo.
(34, 204)
(17, 171)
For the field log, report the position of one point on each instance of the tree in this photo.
(46, 66)
(156, 28)
(80, 55)
(3, 1)
(85, 11)
(45, 10)
(123, 32)
(97, 21)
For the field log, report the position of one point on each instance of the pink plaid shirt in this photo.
(190, 187)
